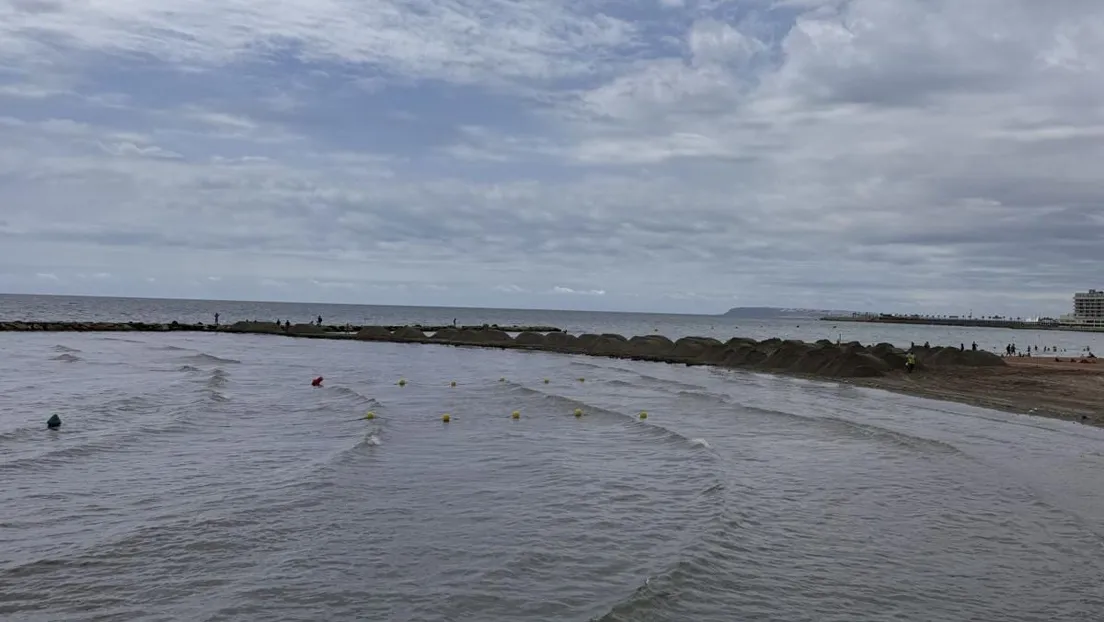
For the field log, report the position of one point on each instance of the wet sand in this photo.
(1037, 386)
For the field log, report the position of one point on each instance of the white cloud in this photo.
(585, 292)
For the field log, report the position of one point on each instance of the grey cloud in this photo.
(895, 154)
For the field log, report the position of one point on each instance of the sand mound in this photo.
(745, 355)
(693, 348)
(817, 358)
(892, 356)
(560, 342)
(608, 345)
(529, 338)
(651, 346)
(408, 333)
(584, 341)
(484, 336)
(446, 335)
(373, 333)
(953, 357)
(786, 355)
(853, 364)
(255, 327)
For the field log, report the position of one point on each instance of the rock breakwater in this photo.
(824, 358)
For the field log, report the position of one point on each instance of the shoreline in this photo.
(1072, 391)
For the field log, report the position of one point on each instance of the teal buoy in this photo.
(53, 422)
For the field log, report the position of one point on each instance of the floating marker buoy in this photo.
(53, 422)
(516, 414)
(370, 415)
(578, 412)
(452, 384)
(445, 418)
(643, 415)
(546, 381)
(502, 380)
(582, 379)
(402, 382)
(317, 382)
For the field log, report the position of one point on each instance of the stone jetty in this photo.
(823, 358)
(331, 330)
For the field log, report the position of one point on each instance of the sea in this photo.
(200, 476)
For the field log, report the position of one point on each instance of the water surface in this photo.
(200, 477)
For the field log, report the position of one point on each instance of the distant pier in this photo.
(964, 322)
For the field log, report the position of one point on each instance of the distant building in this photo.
(1088, 310)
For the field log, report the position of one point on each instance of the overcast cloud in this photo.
(671, 155)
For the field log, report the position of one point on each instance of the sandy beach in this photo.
(1037, 386)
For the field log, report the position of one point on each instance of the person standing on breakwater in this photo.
(320, 320)
(216, 318)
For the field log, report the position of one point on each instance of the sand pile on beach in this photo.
(408, 333)
(446, 335)
(954, 357)
(650, 346)
(255, 327)
(608, 345)
(483, 336)
(373, 333)
(823, 358)
(559, 342)
(529, 338)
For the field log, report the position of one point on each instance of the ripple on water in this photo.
(739, 497)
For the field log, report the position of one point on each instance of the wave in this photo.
(218, 378)
(867, 430)
(591, 409)
(346, 391)
(61, 348)
(67, 358)
(208, 359)
(187, 368)
(172, 349)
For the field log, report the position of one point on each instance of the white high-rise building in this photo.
(1088, 310)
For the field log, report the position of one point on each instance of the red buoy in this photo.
(317, 382)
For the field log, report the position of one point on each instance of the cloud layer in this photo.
(693, 155)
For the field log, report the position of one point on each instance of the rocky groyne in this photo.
(823, 358)
(333, 330)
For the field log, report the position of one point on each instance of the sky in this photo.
(936, 156)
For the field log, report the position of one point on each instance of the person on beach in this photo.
(910, 362)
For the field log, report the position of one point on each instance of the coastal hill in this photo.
(772, 313)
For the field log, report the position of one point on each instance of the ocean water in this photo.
(74, 308)
(201, 477)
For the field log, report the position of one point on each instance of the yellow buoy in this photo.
(402, 382)
(453, 383)
(502, 380)
(445, 418)
(578, 412)
(643, 415)
(370, 415)
(516, 414)
(582, 379)
(546, 381)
